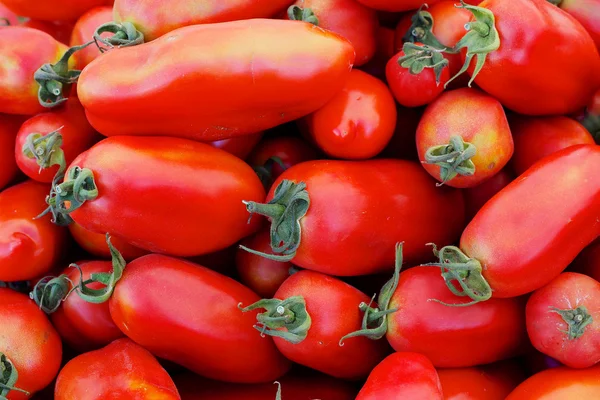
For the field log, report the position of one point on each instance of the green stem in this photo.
(591, 122)
(296, 13)
(46, 150)
(50, 292)
(453, 159)
(416, 58)
(421, 30)
(265, 171)
(278, 395)
(8, 377)
(577, 320)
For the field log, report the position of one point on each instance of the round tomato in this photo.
(9, 126)
(476, 197)
(83, 32)
(240, 146)
(55, 10)
(95, 243)
(463, 138)
(560, 384)
(587, 12)
(358, 122)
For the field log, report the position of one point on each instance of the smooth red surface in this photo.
(95, 243)
(395, 5)
(60, 31)
(9, 126)
(240, 146)
(587, 12)
(55, 10)
(560, 384)
(8, 14)
(588, 261)
(83, 32)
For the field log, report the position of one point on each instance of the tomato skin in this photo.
(539, 46)
(18, 90)
(588, 261)
(202, 184)
(240, 146)
(386, 196)
(333, 309)
(187, 335)
(28, 247)
(349, 19)
(244, 98)
(480, 120)
(28, 339)
(358, 122)
(526, 257)
(260, 274)
(587, 12)
(56, 10)
(127, 371)
(452, 337)
(83, 32)
(384, 50)
(9, 15)
(403, 376)
(560, 383)
(77, 134)
(154, 18)
(9, 126)
(537, 137)
(95, 243)
(61, 31)
(396, 5)
(476, 197)
(290, 150)
(547, 329)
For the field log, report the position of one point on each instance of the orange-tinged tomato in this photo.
(560, 383)
(55, 10)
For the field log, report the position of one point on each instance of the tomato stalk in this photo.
(592, 124)
(289, 204)
(453, 158)
(577, 320)
(420, 30)
(278, 394)
(416, 58)
(8, 377)
(265, 171)
(296, 13)
(290, 314)
(46, 150)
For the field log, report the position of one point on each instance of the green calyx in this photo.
(123, 35)
(50, 292)
(416, 58)
(289, 204)
(46, 150)
(453, 159)
(8, 377)
(457, 267)
(420, 30)
(577, 320)
(79, 188)
(290, 314)
(296, 13)
(375, 319)
(481, 39)
(278, 395)
(265, 171)
(591, 122)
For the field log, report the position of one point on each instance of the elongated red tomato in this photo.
(155, 17)
(535, 138)
(320, 310)
(9, 126)
(37, 152)
(28, 344)
(95, 243)
(193, 192)
(476, 197)
(587, 12)
(121, 370)
(560, 384)
(55, 10)
(18, 90)
(403, 376)
(563, 320)
(83, 32)
(588, 261)
(464, 138)
(191, 317)
(28, 247)
(561, 193)
(396, 5)
(395, 198)
(263, 85)
(240, 146)
(358, 122)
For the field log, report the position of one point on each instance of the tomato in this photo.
(563, 320)
(348, 18)
(524, 49)
(319, 311)
(18, 90)
(193, 192)
(403, 143)
(9, 18)
(29, 346)
(95, 243)
(587, 12)
(560, 384)
(488, 382)
(260, 274)
(332, 209)
(403, 376)
(263, 86)
(239, 146)
(155, 18)
(222, 261)
(56, 10)
(588, 261)
(358, 122)
(83, 32)
(396, 5)
(39, 154)
(9, 126)
(384, 50)
(477, 196)
(536, 362)
(535, 138)
(591, 119)
(60, 31)
(191, 317)
(28, 247)
(544, 216)
(121, 370)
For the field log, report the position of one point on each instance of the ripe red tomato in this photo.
(386, 196)
(464, 138)
(18, 91)
(260, 274)
(403, 376)
(319, 311)
(28, 247)
(9, 126)
(560, 384)
(193, 192)
(587, 12)
(61, 31)
(240, 146)
(95, 243)
(264, 86)
(537, 137)
(121, 370)
(358, 122)
(477, 196)
(29, 346)
(588, 261)
(56, 10)
(179, 318)
(38, 155)
(563, 320)
(83, 32)
(347, 18)
(396, 5)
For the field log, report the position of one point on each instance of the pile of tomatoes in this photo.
(294, 200)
